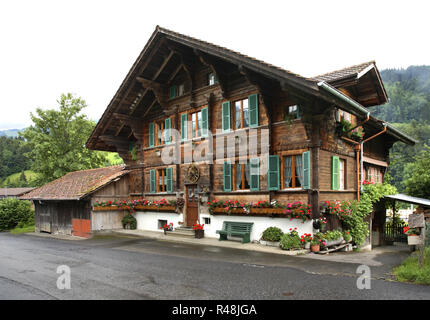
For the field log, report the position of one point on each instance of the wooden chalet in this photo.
(179, 82)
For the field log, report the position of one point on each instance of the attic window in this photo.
(181, 90)
(212, 79)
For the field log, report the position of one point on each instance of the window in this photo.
(241, 114)
(181, 90)
(196, 124)
(212, 79)
(374, 174)
(162, 181)
(293, 112)
(292, 171)
(159, 127)
(207, 221)
(242, 176)
(343, 115)
(342, 174)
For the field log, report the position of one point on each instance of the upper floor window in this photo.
(242, 176)
(159, 126)
(212, 79)
(241, 114)
(162, 182)
(176, 91)
(293, 112)
(343, 115)
(196, 124)
(338, 173)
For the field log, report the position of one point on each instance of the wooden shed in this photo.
(64, 206)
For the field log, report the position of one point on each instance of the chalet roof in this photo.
(125, 95)
(345, 72)
(76, 185)
(14, 191)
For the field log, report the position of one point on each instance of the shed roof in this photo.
(409, 199)
(76, 185)
(13, 192)
(345, 72)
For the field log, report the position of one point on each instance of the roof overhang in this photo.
(361, 112)
(409, 199)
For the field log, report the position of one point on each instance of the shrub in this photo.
(332, 235)
(129, 219)
(272, 234)
(14, 211)
(290, 241)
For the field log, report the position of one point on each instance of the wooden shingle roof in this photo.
(76, 185)
(344, 73)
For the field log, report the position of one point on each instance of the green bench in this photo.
(236, 229)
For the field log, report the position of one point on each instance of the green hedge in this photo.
(14, 211)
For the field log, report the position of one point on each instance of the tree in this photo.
(57, 140)
(417, 181)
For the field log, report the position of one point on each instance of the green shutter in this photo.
(184, 128)
(298, 112)
(152, 185)
(273, 173)
(253, 110)
(335, 173)
(254, 172)
(227, 176)
(173, 92)
(306, 160)
(205, 122)
(169, 183)
(151, 134)
(167, 132)
(226, 116)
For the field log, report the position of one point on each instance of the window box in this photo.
(156, 208)
(111, 208)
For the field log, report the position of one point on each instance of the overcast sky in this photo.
(87, 47)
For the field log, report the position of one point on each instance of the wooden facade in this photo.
(178, 79)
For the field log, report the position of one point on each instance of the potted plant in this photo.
(315, 244)
(168, 227)
(305, 239)
(290, 241)
(347, 236)
(129, 222)
(413, 235)
(199, 231)
(271, 236)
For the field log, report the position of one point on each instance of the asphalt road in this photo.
(135, 268)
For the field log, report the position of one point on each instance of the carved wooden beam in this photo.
(134, 123)
(159, 90)
(211, 63)
(121, 145)
(261, 84)
(163, 65)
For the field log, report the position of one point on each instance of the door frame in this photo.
(186, 187)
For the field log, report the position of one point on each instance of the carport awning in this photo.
(409, 199)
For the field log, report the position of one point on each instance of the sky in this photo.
(87, 47)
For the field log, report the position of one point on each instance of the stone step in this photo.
(181, 233)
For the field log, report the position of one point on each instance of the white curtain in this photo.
(287, 172)
(299, 169)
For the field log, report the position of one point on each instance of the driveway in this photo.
(124, 267)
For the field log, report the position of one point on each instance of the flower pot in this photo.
(414, 239)
(315, 248)
(199, 233)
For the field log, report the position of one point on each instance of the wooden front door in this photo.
(192, 214)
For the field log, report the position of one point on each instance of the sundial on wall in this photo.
(193, 173)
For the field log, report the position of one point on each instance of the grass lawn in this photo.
(410, 270)
(25, 229)
(14, 178)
